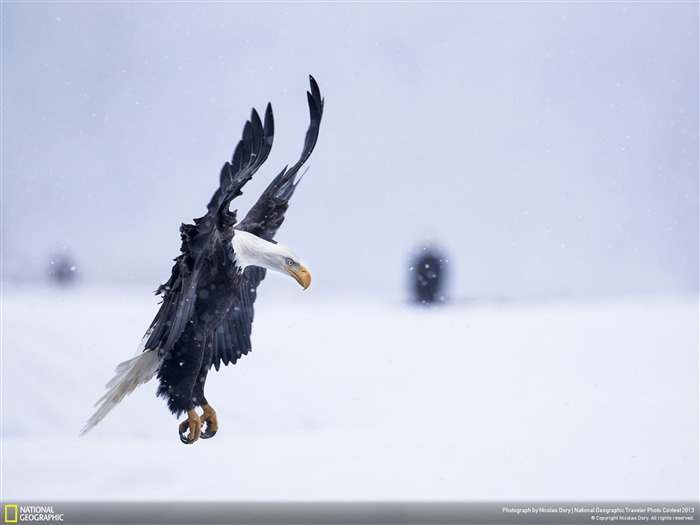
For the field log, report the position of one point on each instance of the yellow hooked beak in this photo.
(301, 275)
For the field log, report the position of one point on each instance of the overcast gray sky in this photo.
(551, 148)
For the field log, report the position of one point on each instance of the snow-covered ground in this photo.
(363, 398)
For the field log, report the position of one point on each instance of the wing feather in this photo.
(231, 338)
(267, 215)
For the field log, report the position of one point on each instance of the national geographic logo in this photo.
(13, 513)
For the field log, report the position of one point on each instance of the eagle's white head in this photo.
(251, 250)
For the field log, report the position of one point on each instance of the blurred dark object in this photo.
(428, 272)
(62, 269)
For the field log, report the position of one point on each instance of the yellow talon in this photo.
(194, 424)
(209, 417)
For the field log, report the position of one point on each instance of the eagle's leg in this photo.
(179, 376)
(209, 417)
(208, 413)
(194, 424)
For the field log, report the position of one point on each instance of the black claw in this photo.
(183, 438)
(208, 434)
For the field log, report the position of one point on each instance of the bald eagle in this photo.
(206, 314)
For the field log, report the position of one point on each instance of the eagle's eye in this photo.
(290, 262)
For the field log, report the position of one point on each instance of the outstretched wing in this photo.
(232, 338)
(267, 215)
(210, 234)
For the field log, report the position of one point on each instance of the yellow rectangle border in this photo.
(6, 516)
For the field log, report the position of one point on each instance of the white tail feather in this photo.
(129, 374)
